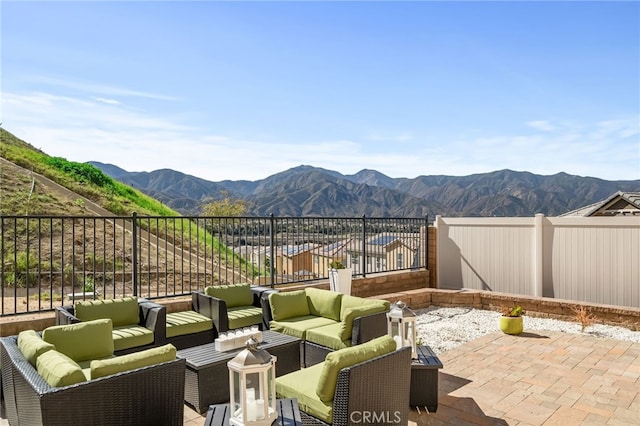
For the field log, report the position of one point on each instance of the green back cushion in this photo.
(346, 325)
(349, 301)
(32, 346)
(233, 295)
(58, 370)
(289, 304)
(82, 341)
(324, 303)
(107, 367)
(347, 357)
(122, 311)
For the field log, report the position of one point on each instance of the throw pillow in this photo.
(32, 346)
(289, 304)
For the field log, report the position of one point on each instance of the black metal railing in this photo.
(48, 261)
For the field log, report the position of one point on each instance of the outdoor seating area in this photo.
(98, 346)
(540, 378)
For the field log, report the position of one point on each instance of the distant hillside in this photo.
(312, 191)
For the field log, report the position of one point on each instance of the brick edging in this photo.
(534, 306)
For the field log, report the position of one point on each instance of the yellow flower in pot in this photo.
(511, 320)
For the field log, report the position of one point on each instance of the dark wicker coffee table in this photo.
(207, 375)
(424, 379)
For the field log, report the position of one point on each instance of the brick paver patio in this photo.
(541, 378)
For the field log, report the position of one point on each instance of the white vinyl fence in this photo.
(587, 259)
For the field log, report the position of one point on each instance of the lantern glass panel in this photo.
(254, 397)
(237, 388)
(271, 385)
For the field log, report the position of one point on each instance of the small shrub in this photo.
(584, 317)
(89, 285)
(336, 264)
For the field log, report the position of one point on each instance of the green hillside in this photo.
(20, 194)
(81, 178)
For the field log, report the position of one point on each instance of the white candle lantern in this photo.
(252, 387)
(401, 325)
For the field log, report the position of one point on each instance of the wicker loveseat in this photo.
(137, 323)
(44, 385)
(326, 320)
(368, 383)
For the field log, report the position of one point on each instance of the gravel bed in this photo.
(446, 328)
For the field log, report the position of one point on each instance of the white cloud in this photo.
(619, 128)
(108, 101)
(541, 125)
(90, 87)
(391, 137)
(82, 129)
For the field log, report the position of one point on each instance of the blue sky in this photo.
(243, 90)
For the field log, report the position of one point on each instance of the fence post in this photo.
(364, 247)
(539, 249)
(272, 241)
(134, 253)
(426, 243)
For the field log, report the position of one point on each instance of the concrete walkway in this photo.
(544, 378)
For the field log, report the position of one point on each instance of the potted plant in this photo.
(339, 277)
(511, 320)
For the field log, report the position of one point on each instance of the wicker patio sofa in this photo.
(151, 394)
(325, 320)
(368, 384)
(138, 323)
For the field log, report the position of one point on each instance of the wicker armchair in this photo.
(148, 395)
(377, 388)
(217, 309)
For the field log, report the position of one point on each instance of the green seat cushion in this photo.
(32, 346)
(244, 316)
(301, 386)
(59, 370)
(337, 360)
(346, 325)
(349, 301)
(121, 311)
(289, 304)
(131, 337)
(233, 295)
(187, 322)
(83, 340)
(324, 303)
(328, 335)
(297, 327)
(107, 367)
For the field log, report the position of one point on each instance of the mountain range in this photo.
(311, 191)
